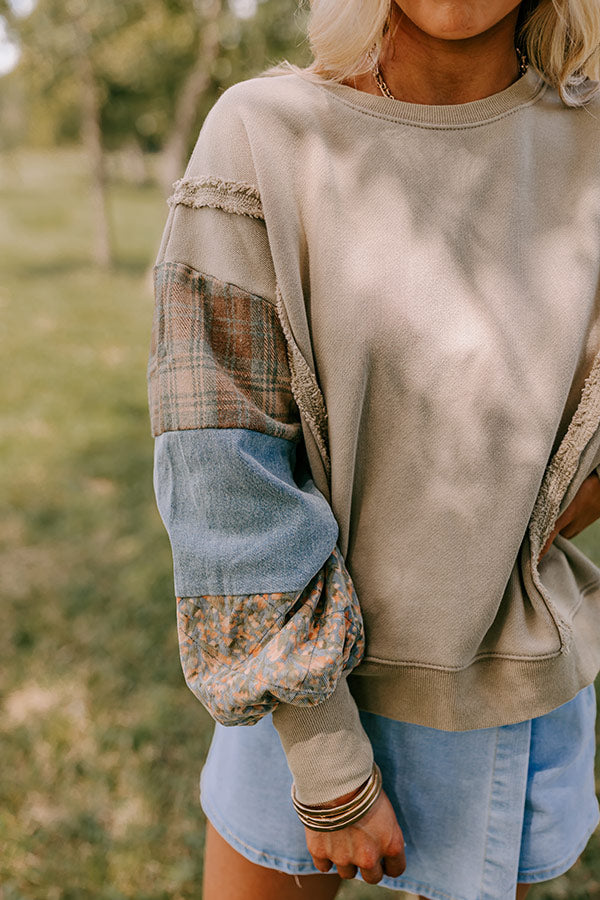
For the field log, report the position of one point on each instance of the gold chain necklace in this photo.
(523, 66)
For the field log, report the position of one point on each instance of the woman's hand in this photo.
(374, 844)
(581, 512)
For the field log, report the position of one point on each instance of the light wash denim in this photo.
(480, 810)
(241, 516)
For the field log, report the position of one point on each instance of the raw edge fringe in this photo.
(232, 196)
(305, 389)
(558, 475)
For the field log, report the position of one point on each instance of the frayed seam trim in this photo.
(564, 464)
(232, 196)
(305, 389)
(555, 483)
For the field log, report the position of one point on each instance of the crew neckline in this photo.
(525, 90)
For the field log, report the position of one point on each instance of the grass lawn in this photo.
(102, 743)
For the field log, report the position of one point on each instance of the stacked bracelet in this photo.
(345, 814)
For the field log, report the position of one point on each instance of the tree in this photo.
(60, 42)
(141, 73)
(195, 85)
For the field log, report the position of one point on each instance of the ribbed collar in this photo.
(525, 90)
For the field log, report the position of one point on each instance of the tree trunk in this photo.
(174, 155)
(92, 141)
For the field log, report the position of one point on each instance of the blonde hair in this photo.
(560, 37)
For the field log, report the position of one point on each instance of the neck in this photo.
(419, 68)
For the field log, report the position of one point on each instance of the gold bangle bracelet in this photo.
(336, 815)
(324, 811)
(345, 814)
(348, 819)
(339, 822)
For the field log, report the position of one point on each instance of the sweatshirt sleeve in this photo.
(268, 618)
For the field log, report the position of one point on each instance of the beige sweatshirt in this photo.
(436, 270)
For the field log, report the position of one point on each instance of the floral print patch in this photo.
(244, 654)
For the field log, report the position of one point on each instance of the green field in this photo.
(102, 743)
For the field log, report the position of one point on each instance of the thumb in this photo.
(560, 523)
(548, 543)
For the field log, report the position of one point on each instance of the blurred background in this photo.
(102, 743)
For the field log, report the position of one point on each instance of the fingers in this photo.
(389, 865)
(565, 525)
(394, 861)
(347, 871)
(373, 875)
(322, 864)
(394, 865)
(548, 543)
(546, 546)
(583, 509)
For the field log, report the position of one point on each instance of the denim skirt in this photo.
(479, 810)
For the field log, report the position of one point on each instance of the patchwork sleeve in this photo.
(268, 618)
(267, 613)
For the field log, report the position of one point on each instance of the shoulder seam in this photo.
(232, 196)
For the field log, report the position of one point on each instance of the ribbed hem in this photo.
(327, 749)
(525, 90)
(490, 692)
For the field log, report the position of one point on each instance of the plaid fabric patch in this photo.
(218, 358)
(243, 655)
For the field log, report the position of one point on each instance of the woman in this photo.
(375, 390)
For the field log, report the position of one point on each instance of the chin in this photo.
(455, 20)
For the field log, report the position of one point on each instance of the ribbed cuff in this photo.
(327, 749)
